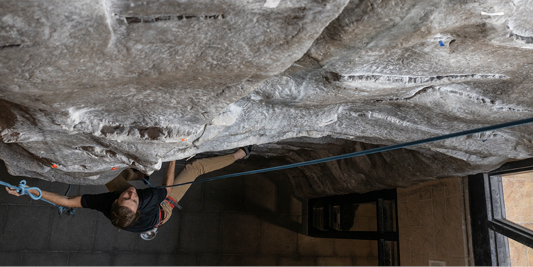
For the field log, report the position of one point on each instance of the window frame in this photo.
(388, 251)
(490, 228)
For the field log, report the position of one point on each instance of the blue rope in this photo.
(23, 190)
(367, 152)
(146, 182)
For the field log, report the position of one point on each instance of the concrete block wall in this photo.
(433, 223)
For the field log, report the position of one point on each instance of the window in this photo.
(501, 205)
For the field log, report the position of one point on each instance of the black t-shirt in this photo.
(149, 200)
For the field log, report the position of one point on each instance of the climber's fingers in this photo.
(12, 191)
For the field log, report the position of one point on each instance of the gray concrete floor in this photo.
(251, 220)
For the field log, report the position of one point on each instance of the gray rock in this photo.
(94, 87)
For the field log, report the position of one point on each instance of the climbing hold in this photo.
(54, 166)
(114, 168)
(183, 139)
(441, 43)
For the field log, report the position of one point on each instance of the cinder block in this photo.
(223, 195)
(199, 232)
(109, 238)
(454, 186)
(27, 228)
(89, 259)
(177, 260)
(134, 259)
(297, 261)
(193, 199)
(45, 259)
(239, 233)
(10, 258)
(260, 193)
(218, 260)
(276, 236)
(354, 247)
(258, 260)
(73, 233)
(3, 219)
(312, 246)
(368, 261)
(333, 261)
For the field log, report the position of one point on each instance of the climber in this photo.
(142, 210)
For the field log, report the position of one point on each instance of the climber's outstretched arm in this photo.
(71, 202)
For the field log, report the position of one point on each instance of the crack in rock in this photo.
(378, 78)
(4, 46)
(526, 39)
(144, 133)
(98, 152)
(475, 97)
(151, 19)
(398, 121)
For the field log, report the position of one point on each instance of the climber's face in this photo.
(129, 199)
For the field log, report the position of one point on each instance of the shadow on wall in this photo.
(269, 195)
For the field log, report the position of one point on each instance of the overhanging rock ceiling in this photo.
(94, 87)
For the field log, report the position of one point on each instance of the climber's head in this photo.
(124, 211)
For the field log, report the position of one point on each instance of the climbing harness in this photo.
(23, 190)
(367, 152)
(151, 234)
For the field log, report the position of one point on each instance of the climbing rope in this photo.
(365, 152)
(22, 189)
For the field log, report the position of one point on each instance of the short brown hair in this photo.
(123, 217)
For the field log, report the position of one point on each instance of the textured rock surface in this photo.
(91, 86)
